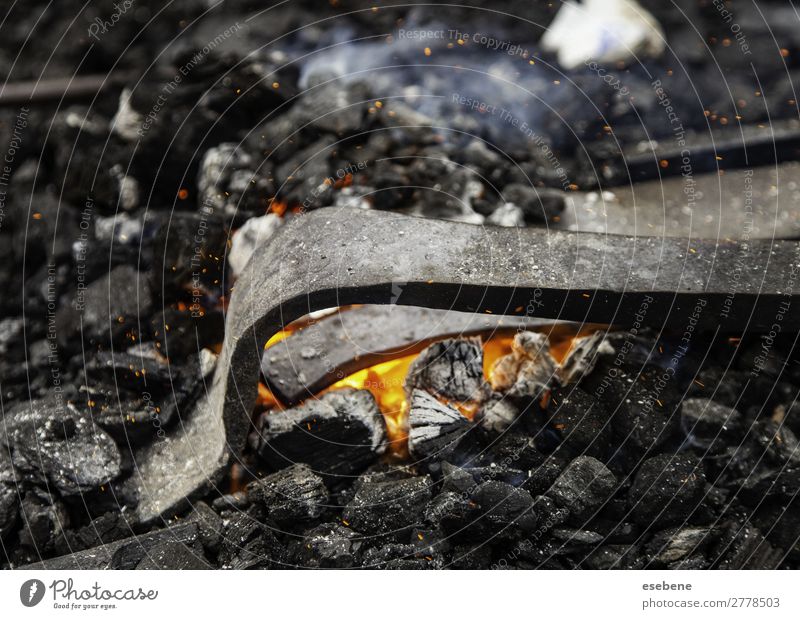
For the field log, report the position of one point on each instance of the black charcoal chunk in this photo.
(51, 445)
(646, 408)
(743, 547)
(539, 205)
(209, 526)
(577, 537)
(173, 556)
(583, 487)
(124, 554)
(706, 421)
(44, 519)
(502, 506)
(9, 504)
(104, 529)
(331, 546)
(291, 495)
(434, 429)
(580, 420)
(451, 369)
(9, 493)
(236, 501)
(678, 544)
(384, 507)
(776, 441)
(109, 309)
(341, 433)
(666, 490)
(471, 557)
(248, 544)
(451, 511)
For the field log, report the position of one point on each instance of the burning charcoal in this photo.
(248, 544)
(209, 526)
(667, 489)
(50, 445)
(580, 420)
(528, 370)
(503, 506)
(293, 494)
(172, 556)
(434, 429)
(508, 216)
(384, 507)
(109, 527)
(673, 545)
(340, 434)
(743, 547)
(44, 519)
(539, 205)
(109, 309)
(583, 487)
(254, 232)
(706, 421)
(331, 546)
(498, 414)
(582, 357)
(452, 369)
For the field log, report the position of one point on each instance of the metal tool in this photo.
(338, 256)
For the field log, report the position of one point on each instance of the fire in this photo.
(385, 380)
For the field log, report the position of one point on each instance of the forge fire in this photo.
(347, 285)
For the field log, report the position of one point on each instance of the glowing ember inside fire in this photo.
(385, 380)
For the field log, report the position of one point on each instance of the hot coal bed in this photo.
(127, 219)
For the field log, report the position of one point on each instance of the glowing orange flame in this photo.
(385, 380)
